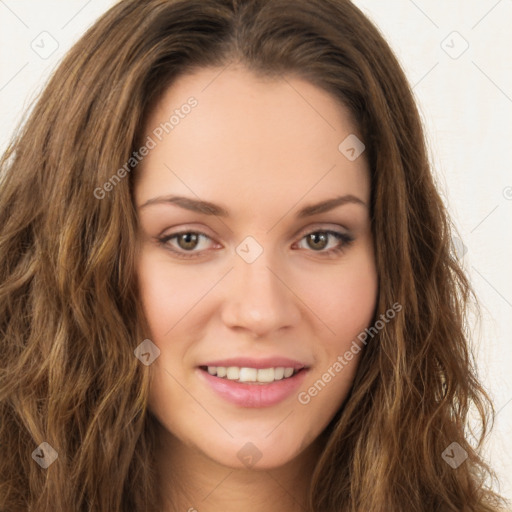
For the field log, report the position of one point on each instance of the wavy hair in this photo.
(70, 314)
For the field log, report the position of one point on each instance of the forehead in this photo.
(249, 137)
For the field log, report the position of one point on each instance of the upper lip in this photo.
(249, 362)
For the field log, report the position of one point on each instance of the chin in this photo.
(254, 453)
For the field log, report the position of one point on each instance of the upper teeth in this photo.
(250, 374)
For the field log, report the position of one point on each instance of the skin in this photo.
(263, 149)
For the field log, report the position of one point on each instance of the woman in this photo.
(235, 286)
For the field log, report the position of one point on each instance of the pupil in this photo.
(315, 237)
(189, 239)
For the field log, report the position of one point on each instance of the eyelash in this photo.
(344, 239)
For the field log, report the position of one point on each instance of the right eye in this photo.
(185, 242)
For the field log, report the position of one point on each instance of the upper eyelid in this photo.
(301, 233)
(326, 226)
(344, 240)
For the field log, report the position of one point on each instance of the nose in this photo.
(260, 300)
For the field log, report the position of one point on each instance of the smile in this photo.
(254, 375)
(241, 386)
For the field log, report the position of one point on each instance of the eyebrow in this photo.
(208, 208)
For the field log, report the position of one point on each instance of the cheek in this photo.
(346, 305)
(344, 299)
(357, 301)
(167, 295)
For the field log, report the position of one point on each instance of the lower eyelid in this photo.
(344, 239)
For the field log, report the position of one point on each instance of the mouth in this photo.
(250, 387)
(249, 375)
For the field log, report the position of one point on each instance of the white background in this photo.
(465, 98)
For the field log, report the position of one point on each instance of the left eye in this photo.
(318, 240)
(187, 241)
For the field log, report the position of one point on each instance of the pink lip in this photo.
(253, 395)
(247, 362)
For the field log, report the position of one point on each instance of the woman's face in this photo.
(259, 281)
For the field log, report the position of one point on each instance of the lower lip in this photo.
(254, 395)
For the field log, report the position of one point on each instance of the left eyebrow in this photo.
(329, 204)
(208, 208)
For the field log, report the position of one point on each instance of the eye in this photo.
(185, 243)
(319, 240)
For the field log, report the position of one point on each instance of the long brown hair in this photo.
(70, 314)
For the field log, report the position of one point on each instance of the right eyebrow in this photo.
(208, 208)
(195, 205)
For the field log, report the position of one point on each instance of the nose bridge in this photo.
(259, 284)
(258, 299)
